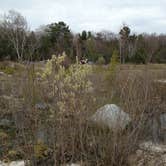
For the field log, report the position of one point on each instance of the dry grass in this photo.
(68, 136)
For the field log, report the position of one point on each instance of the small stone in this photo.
(41, 106)
(5, 123)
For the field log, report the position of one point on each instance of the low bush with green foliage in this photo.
(139, 57)
(100, 61)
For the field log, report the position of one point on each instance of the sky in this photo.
(94, 15)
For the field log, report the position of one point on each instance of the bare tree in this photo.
(124, 42)
(32, 45)
(77, 45)
(152, 45)
(15, 28)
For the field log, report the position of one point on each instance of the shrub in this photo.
(15, 155)
(100, 61)
(139, 57)
(8, 70)
(40, 151)
(3, 136)
(55, 63)
(112, 70)
(68, 83)
(71, 99)
(114, 61)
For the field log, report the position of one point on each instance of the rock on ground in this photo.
(149, 154)
(13, 163)
(41, 106)
(5, 123)
(111, 116)
(161, 81)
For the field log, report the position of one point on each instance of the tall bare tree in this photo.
(124, 41)
(32, 45)
(15, 28)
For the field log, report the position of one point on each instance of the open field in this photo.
(79, 88)
(45, 120)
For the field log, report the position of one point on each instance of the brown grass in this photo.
(69, 137)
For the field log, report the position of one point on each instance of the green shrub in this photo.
(111, 73)
(100, 61)
(3, 136)
(40, 150)
(139, 57)
(72, 82)
(9, 70)
(114, 61)
(15, 155)
(42, 153)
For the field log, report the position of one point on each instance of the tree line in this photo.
(19, 43)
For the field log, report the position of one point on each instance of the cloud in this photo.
(95, 15)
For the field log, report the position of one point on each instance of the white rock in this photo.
(112, 116)
(5, 122)
(153, 148)
(162, 81)
(2, 73)
(41, 106)
(13, 163)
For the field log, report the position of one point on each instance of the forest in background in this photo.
(19, 43)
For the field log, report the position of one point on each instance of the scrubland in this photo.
(45, 111)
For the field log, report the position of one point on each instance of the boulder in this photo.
(111, 116)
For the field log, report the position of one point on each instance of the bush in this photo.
(7, 70)
(70, 102)
(139, 57)
(114, 61)
(14, 155)
(72, 81)
(113, 67)
(41, 151)
(100, 61)
(3, 136)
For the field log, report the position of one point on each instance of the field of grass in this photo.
(37, 130)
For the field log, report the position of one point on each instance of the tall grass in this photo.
(61, 133)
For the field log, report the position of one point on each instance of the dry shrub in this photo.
(61, 133)
(143, 99)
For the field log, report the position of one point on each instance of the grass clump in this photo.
(8, 70)
(14, 155)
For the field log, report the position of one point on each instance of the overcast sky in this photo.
(95, 15)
